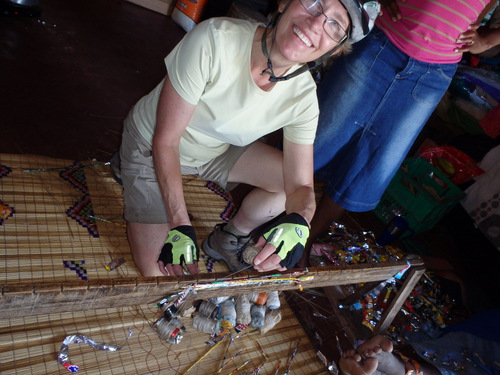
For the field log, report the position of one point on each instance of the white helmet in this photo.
(363, 15)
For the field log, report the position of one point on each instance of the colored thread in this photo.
(243, 310)
(203, 356)
(287, 371)
(78, 267)
(231, 359)
(278, 367)
(236, 370)
(231, 338)
(273, 300)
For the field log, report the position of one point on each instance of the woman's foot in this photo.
(380, 348)
(374, 346)
(351, 363)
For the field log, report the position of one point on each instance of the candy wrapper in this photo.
(114, 264)
(342, 247)
(453, 163)
(63, 356)
(5, 211)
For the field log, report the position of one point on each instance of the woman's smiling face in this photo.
(301, 37)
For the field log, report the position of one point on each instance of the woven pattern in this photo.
(41, 243)
(78, 217)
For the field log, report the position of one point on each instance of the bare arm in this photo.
(477, 40)
(300, 199)
(298, 173)
(173, 115)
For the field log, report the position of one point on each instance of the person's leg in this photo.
(260, 165)
(391, 362)
(350, 366)
(372, 357)
(327, 211)
(380, 348)
(146, 241)
(147, 223)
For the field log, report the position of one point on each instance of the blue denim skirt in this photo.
(373, 104)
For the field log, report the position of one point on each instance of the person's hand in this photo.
(181, 248)
(474, 40)
(391, 8)
(283, 244)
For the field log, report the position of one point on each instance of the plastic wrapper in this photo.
(453, 163)
(63, 356)
(5, 211)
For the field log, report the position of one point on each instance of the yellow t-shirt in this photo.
(210, 67)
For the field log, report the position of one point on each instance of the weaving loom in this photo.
(64, 225)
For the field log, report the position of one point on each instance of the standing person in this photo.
(228, 83)
(375, 101)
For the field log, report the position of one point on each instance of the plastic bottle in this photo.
(258, 314)
(187, 13)
(227, 314)
(243, 310)
(258, 310)
(273, 300)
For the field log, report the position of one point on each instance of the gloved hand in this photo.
(289, 235)
(181, 246)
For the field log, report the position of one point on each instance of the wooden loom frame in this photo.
(25, 299)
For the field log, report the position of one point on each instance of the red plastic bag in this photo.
(453, 163)
(491, 122)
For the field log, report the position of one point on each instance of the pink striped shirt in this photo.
(429, 28)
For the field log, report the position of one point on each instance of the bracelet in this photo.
(412, 367)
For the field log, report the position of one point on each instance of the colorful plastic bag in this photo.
(453, 163)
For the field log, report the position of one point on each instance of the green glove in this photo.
(289, 234)
(181, 246)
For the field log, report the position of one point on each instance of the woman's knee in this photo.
(146, 241)
(260, 165)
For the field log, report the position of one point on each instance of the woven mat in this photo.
(30, 345)
(44, 239)
(67, 220)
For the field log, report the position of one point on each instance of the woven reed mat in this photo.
(67, 220)
(30, 345)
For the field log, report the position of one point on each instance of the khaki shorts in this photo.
(143, 200)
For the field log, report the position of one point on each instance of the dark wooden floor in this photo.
(69, 77)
